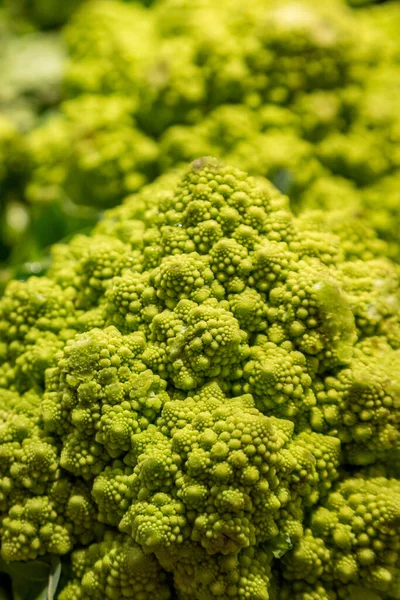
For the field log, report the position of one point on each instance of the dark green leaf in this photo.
(33, 580)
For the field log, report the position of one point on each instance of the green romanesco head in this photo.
(217, 379)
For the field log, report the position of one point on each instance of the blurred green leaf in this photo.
(33, 580)
(283, 180)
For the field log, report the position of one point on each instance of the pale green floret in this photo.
(246, 574)
(115, 568)
(353, 540)
(360, 405)
(99, 412)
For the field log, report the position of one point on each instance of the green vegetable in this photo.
(281, 89)
(201, 399)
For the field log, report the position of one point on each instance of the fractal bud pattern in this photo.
(201, 400)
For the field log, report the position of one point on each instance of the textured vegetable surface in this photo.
(201, 400)
(279, 88)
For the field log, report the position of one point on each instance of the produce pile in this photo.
(200, 395)
(122, 92)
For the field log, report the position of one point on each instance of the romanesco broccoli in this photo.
(201, 400)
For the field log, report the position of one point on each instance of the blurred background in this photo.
(99, 97)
